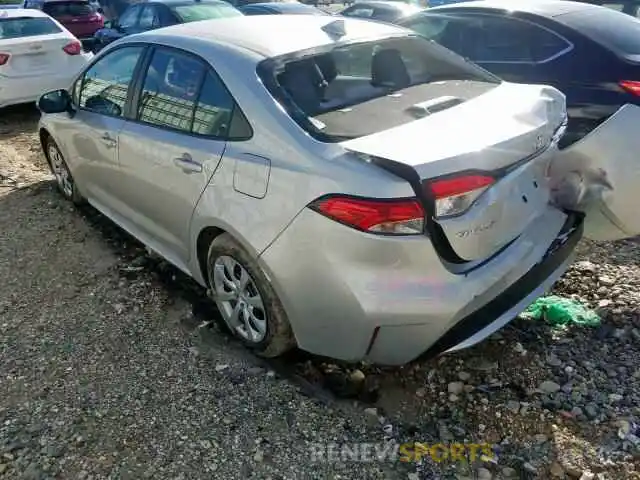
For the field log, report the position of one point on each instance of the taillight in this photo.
(4, 58)
(454, 195)
(384, 216)
(631, 86)
(73, 48)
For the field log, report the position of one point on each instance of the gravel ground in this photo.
(113, 368)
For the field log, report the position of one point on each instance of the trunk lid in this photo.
(39, 55)
(507, 134)
(84, 25)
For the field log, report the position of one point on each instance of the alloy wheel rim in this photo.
(61, 171)
(238, 299)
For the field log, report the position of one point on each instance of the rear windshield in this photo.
(354, 89)
(617, 31)
(67, 9)
(18, 27)
(195, 13)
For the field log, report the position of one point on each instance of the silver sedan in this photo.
(340, 185)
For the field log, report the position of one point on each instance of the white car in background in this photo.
(37, 54)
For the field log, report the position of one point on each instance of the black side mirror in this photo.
(100, 10)
(57, 101)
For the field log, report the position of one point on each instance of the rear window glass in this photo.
(18, 27)
(195, 13)
(67, 9)
(356, 89)
(617, 31)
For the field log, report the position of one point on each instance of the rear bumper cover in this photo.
(483, 322)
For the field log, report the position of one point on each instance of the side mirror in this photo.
(57, 101)
(100, 10)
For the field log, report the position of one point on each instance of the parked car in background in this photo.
(590, 53)
(317, 3)
(380, 10)
(80, 17)
(242, 3)
(343, 185)
(149, 15)
(438, 3)
(280, 8)
(37, 54)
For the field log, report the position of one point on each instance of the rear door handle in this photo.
(109, 140)
(187, 164)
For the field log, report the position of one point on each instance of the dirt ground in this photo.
(111, 368)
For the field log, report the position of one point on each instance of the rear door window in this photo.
(129, 18)
(182, 93)
(197, 12)
(149, 18)
(614, 30)
(19, 27)
(491, 39)
(360, 12)
(170, 90)
(385, 14)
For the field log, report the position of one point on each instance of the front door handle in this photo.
(109, 140)
(187, 164)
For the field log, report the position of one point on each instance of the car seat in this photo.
(304, 83)
(388, 70)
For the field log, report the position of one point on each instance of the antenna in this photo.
(335, 28)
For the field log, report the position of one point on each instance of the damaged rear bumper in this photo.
(480, 324)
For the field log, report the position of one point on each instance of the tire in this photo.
(60, 170)
(261, 322)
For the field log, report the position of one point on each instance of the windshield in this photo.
(18, 27)
(195, 13)
(356, 89)
(615, 30)
(67, 9)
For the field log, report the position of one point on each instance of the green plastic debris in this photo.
(559, 312)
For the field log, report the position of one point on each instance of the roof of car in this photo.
(546, 8)
(271, 35)
(21, 12)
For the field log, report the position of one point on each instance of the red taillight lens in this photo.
(455, 195)
(4, 58)
(73, 48)
(393, 216)
(631, 86)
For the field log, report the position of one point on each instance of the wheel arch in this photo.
(206, 235)
(43, 135)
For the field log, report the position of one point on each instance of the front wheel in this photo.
(64, 180)
(246, 300)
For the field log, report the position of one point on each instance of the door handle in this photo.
(109, 140)
(187, 164)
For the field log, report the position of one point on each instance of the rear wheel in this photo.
(247, 302)
(60, 169)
